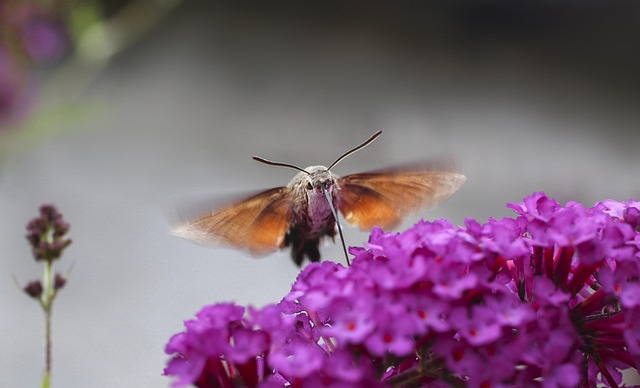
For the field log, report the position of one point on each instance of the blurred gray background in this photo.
(531, 96)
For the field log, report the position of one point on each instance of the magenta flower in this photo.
(549, 298)
(218, 349)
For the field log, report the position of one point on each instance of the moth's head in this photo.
(314, 179)
(319, 177)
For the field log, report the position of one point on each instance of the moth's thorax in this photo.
(310, 206)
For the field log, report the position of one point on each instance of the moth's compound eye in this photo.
(309, 186)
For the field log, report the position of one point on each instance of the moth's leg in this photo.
(294, 239)
(311, 249)
(331, 231)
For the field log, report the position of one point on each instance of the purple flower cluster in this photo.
(46, 234)
(549, 298)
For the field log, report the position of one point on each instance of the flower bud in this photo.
(33, 289)
(59, 281)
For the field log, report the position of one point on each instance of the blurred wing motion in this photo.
(383, 198)
(258, 223)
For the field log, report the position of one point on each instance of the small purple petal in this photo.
(298, 360)
(247, 344)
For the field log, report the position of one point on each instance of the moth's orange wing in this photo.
(258, 223)
(383, 198)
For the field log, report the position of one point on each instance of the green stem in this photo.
(47, 303)
(45, 380)
(406, 377)
(48, 343)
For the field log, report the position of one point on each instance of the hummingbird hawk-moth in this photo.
(302, 213)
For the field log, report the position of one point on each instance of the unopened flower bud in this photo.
(60, 228)
(33, 289)
(48, 212)
(59, 282)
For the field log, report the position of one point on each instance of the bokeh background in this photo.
(124, 109)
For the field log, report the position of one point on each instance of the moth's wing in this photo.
(383, 198)
(258, 223)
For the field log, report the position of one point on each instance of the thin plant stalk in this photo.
(47, 303)
(46, 234)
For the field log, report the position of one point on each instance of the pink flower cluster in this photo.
(550, 298)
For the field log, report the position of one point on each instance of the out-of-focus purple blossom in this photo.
(36, 32)
(547, 298)
(43, 40)
(33, 33)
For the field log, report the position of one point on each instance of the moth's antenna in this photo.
(358, 148)
(335, 216)
(269, 162)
